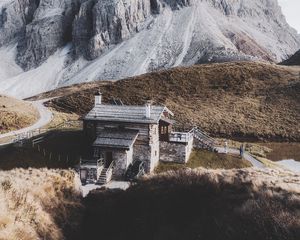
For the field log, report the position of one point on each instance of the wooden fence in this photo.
(56, 158)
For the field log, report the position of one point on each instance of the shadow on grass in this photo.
(185, 205)
(58, 150)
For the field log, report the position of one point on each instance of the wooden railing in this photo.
(109, 171)
(92, 167)
(21, 137)
(180, 136)
(203, 136)
(185, 137)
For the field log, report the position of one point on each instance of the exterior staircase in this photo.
(105, 175)
(102, 178)
(204, 139)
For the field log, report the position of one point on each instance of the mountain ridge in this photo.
(293, 60)
(73, 41)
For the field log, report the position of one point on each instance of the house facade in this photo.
(124, 134)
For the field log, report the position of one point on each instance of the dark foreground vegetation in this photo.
(239, 204)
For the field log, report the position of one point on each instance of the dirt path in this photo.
(247, 156)
(45, 117)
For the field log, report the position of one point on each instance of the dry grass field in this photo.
(15, 114)
(244, 99)
(281, 151)
(38, 204)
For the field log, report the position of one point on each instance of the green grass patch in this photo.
(206, 159)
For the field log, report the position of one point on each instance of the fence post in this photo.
(44, 151)
(50, 155)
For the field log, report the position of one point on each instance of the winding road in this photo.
(45, 117)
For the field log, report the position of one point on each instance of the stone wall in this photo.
(142, 151)
(175, 152)
(188, 149)
(122, 160)
(146, 147)
(148, 151)
(154, 146)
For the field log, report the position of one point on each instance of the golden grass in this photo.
(228, 99)
(36, 204)
(15, 114)
(60, 117)
(282, 151)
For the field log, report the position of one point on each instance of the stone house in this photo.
(124, 134)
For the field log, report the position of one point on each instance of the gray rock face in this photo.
(113, 39)
(43, 26)
(49, 30)
(107, 22)
(14, 17)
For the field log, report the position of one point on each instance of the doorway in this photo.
(108, 159)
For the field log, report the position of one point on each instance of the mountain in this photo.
(293, 60)
(237, 99)
(46, 44)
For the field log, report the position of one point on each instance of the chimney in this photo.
(98, 98)
(148, 109)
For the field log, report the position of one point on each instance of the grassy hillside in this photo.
(245, 99)
(200, 204)
(38, 204)
(15, 114)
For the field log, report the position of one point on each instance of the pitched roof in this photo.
(116, 138)
(123, 113)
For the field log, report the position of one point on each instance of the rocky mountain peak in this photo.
(112, 39)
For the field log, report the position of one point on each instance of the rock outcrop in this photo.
(106, 22)
(50, 29)
(14, 16)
